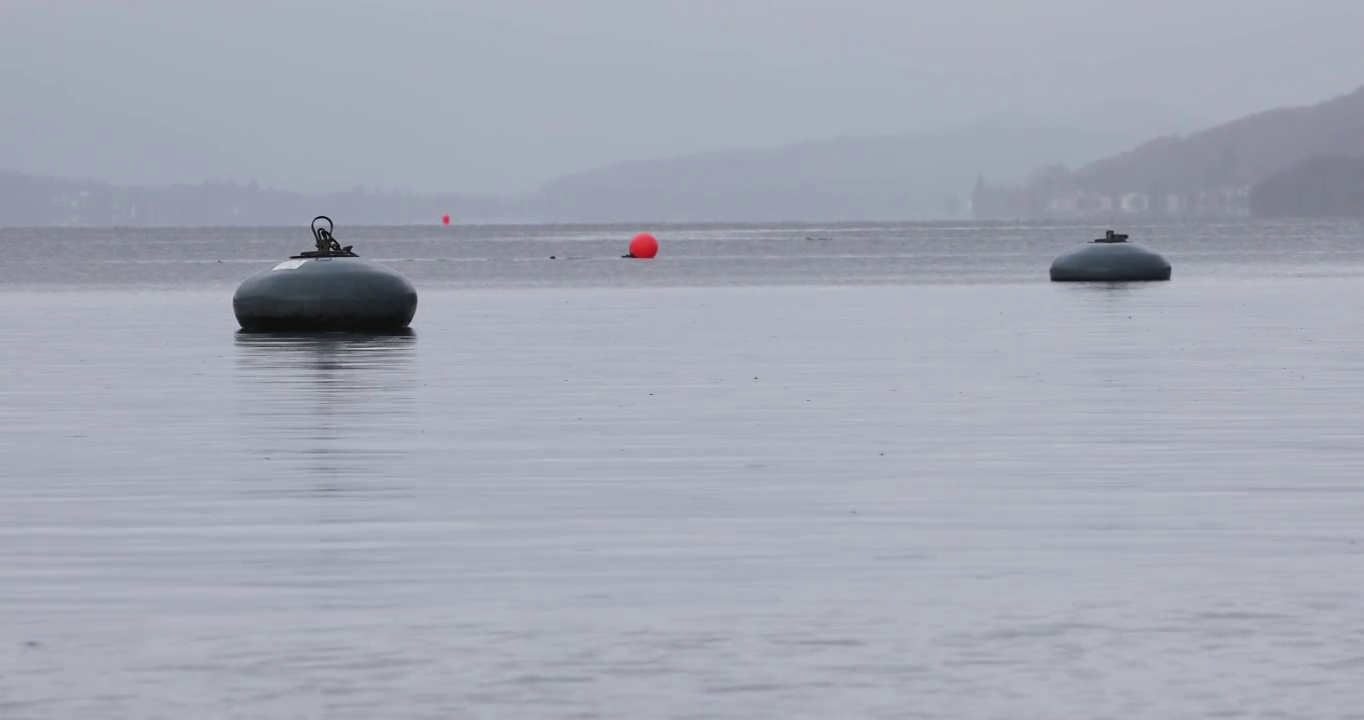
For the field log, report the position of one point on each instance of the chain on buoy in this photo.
(327, 246)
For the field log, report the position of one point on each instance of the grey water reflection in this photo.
(329, 410)
(1111, 288)
(1114, 300)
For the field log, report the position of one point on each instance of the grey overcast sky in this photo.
(500, 95)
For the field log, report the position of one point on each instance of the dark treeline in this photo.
(1323, 186)
(30, 201)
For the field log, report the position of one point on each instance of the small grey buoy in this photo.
(1111, 258)
(329, 289)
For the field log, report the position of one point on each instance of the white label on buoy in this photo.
(289, 264)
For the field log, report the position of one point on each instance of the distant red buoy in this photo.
(643, 245)
(444, 219)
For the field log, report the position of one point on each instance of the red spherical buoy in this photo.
(444, 219)
(643, 245)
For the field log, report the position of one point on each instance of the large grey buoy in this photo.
(1110, 258)
(330, 288)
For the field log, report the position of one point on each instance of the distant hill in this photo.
(1238, 153)
(901, 177)
(898, 177)
(1208, 172)
(1319, 187)
(31, 201)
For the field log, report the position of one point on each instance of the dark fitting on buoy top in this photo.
(326, 289)
(1111, 258)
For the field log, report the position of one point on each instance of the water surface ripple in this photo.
(796, 493)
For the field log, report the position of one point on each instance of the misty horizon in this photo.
(495, 98)
(993, 121)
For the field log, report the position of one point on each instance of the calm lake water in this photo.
(873, 471)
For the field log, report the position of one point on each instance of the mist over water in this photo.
(885, 471)
(505, 256)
